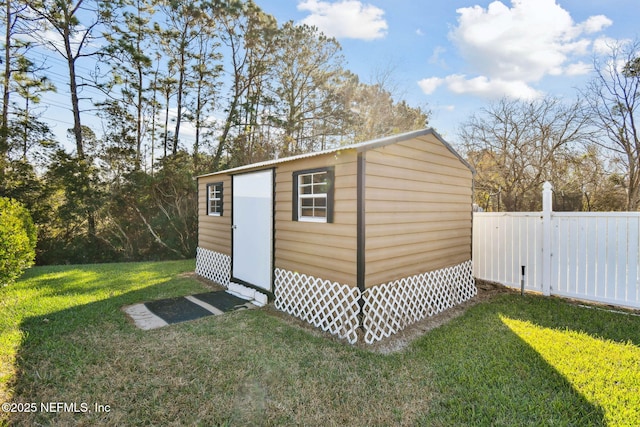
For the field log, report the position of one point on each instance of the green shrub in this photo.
(17, 240)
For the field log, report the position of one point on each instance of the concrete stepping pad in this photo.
(156, 314)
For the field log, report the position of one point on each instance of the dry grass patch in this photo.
(260, 367)
(242, 368)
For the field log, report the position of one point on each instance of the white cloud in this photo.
(51, 39)
(491, 88)
(595, 24)
(430, 84)
(437, 56)
(606, 45)
(511, 47)
(578, 68)
(527, 41)
(481, 86)
(345, 19)
(602, 45)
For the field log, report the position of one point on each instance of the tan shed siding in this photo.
(417, 210)
(214, 232)
(327, 251)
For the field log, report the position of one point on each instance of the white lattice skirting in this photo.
(327, 305)
(391, 307)
(213, 266)
(333, 307)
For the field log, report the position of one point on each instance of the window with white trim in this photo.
(214, 199)
(313, 195)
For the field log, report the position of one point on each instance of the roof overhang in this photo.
(359, 147)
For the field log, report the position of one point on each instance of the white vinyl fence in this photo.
(585, 255)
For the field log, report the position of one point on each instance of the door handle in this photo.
(233, 227)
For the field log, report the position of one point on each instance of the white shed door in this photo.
(253, 228)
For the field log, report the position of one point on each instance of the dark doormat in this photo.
(223, 301)
(155, 314)
(175, 310)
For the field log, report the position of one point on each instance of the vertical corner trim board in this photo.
(333, 307)
(213, 266)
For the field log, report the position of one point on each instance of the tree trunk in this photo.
(4, 126)
(196, 143)
(225, 132)
(73, 87)
(139, 119)
(166, 124)
(25, 130)
(179, 102)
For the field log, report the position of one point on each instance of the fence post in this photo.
(547, 208)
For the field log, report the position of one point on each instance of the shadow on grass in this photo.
(55, 310)
(252, 367)
(489, 374)
(594, 350)
(557, 313)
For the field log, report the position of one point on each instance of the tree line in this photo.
(249, 89)
(588, 148)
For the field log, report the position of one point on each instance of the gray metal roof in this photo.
(361, 146)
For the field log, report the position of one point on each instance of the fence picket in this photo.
(592, 256)
(601, 284)
(632, 260)
(582, 258)
(622, 259)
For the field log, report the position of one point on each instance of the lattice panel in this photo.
(466, 286)
(391, 307)
(327, 305)
(213, 266)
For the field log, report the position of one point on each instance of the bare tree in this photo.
(516, 145)
(614, 99)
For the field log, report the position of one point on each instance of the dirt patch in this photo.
(396, 342)
(399, 341)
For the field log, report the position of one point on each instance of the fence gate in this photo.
(586, 255)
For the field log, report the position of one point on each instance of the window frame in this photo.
(298, 196)
(220, 205)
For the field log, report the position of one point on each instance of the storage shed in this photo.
(372, 236)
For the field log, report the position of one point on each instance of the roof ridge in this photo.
(359, 146)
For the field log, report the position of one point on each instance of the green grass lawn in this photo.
(508, 361)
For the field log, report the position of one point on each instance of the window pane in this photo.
(320, 177)
(215, 199)
(313, 188)
(320, 188)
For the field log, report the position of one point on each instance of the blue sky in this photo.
(455, 56)
(452, 57)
